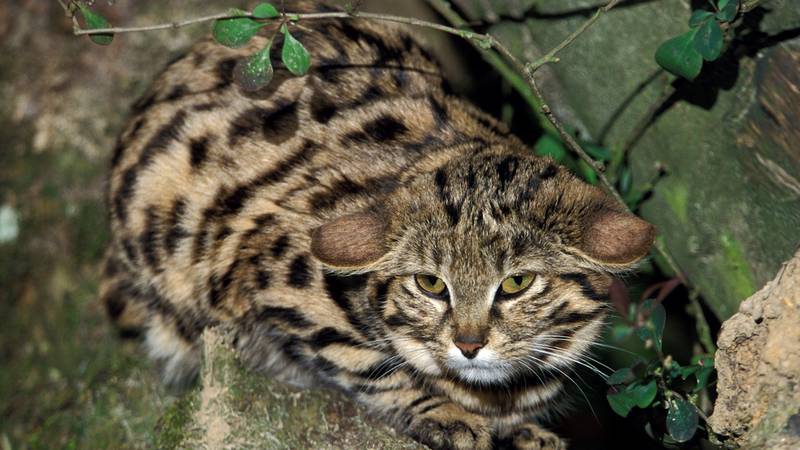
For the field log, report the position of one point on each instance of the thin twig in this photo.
(551, 55)
(701, 324)
(515, 79)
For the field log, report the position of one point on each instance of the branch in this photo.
(551, 55)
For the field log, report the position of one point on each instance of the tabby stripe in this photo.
(225, 72)
(380, 130)
(328, 336)
(273, 122)
(175, 231)
(299, 272)
(419, 401)
(219, 285)
(289, 316)
(378, 371)
(439, 111)
(148, 239)
(232, 203)
(441, 184)
(159, 142)
(576, 317)
(507, 170)
(130, 250)
(345, 187)
(587, 289)
(381, 291)
(432, 406)
(340, 288)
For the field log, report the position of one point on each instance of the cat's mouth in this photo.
(485, 368)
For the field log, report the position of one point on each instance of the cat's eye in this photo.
(431, 285)
(517, 283)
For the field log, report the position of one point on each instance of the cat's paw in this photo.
(450, 427)
(530, 436)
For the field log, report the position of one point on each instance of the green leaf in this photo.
(621, 332)
(254, 72)
(708, 40)
(95, 21)
(237, 31)
(727, 10)
(682, 420)
(265, 11)
(680, 57)
(549, 145)
(621, 376)
(641, 395)
(698, 17)
(625, 180)
(597, 152)
(653, 327)
(294, 55)
(587, 172)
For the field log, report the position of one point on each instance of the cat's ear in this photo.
(615, 238)
(351, 242)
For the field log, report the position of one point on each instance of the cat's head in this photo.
(495, 264)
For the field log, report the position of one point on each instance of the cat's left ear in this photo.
(351, 242)
(616, 239)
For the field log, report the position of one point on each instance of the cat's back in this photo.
(205, 170)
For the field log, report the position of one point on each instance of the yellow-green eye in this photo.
(516, 284)
(431, 285)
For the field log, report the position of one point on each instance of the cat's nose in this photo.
(469, 345)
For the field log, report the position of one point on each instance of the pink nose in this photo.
(469, 349)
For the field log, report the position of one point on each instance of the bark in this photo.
(758, 368)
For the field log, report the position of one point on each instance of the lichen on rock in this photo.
(232, 407)
(758, 364)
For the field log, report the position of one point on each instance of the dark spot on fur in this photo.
(198, 150)
(299, 272)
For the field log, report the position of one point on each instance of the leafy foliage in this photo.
(95, 21)
(658, 383)
(256, 71)
(684, 54)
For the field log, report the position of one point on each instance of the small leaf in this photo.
(698, 17)
(265, 11)
(727, 10)
(641, 395)
(682, 420)
(597, 152)
(653, 327)
(255, 71)
(621, 376)
(294, 55)
(621, 332)
(95, 21)
(549, 145)
(644, 394)
(708, 41)
(680, 57)
(237, 31)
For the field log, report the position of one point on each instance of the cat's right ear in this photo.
(351, 242)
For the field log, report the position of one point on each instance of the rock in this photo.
(232, 407)
(758, 366)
